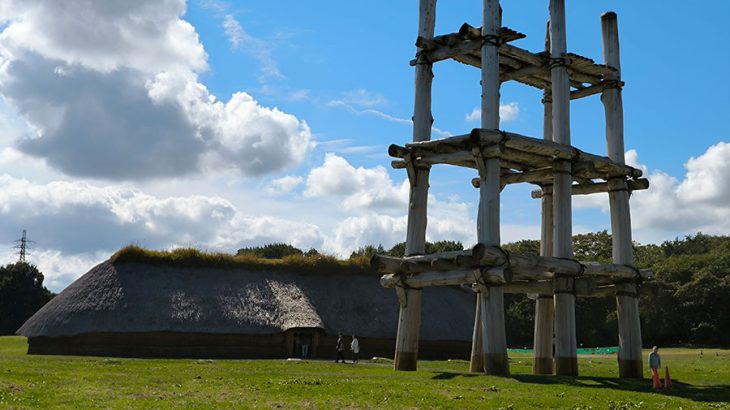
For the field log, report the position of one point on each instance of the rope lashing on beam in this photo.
(582, 266)
(624, 188)
(492, 40)
(558, 62)
(401, 282)
(627, 293)
(505, 254)
(422, 57)
(480, 279)
(612, 84)
(637, 279)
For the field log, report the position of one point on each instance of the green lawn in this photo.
(700, 381)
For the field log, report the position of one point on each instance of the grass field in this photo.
(700, 381)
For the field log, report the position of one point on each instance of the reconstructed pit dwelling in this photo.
(502, 158)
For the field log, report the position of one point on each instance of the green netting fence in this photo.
(582, 350)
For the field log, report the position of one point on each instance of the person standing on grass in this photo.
(655, 362)
(340, 346)
(355, 347)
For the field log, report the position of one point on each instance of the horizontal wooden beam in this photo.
(491, 276)
(516, 266)
(519, 149)
(515, 63)
(592, 188)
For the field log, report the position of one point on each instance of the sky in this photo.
(222, 125)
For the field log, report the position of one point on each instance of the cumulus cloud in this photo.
(112, 91)
(371, 229)
(360, 187)
(447, 220)
(256, 139)
(284, 185)
(507, 112)
(708, 177)
(104, 35)
(86, 222)
(698, 202)
(76, 216)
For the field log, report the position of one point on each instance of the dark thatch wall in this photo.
(222, 346)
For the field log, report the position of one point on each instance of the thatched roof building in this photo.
(157, 310)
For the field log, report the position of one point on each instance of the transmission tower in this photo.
(23, 244)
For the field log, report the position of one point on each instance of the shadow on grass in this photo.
(452, 375)
(705, 393)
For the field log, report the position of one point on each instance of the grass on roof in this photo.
(195, 258)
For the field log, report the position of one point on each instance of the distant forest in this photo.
(686, 303)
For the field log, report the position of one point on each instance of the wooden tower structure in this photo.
(501, 158)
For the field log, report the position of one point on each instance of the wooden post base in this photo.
(496, 364)
(405, 361)
(566, 366)
(543, 365)
(631, 369)
(476, 364)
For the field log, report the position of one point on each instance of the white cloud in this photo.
(260, 230)
(370, 229)
(256, 139)
(240, 39)
(104, 36)
(670, 207)
(507, 112)
(284, 185)
(112, 91)
(360, 187)
(233, 31)
(380, 114)
(298, 95)
(77, 224)
(708, 177)
(361, 98)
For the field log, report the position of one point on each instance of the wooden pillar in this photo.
(627, 303)
(409, 319)
(476, 362)
(491, 297)
(566, 361)
(543, 342)
(544, 309)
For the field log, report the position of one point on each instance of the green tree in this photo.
(367, 252)
(21, 294)
(271, 251)
(399, 249)
(594, 247)
(525, 246)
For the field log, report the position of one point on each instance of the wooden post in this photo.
(492, 298)
(544, 309)
(476, 362)
(627, 303)
(566, 361)
(409, 319)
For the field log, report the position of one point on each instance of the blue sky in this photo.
(228, 124)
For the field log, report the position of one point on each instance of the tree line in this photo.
(686, 303)
(21, 294)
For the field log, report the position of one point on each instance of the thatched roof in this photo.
(138, 297)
